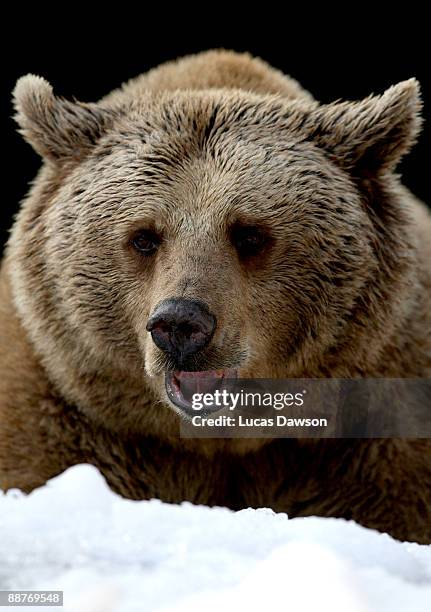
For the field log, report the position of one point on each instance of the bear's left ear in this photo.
(371, 135)
(56, 128)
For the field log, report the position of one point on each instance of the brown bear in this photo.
(211, 218)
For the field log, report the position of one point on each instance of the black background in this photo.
(345, 57)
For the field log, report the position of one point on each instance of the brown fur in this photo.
(343, 290)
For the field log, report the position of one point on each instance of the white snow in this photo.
(109, 554)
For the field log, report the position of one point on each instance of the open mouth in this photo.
(183, 387)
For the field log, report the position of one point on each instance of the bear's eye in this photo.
(248, 240)
(146, 242)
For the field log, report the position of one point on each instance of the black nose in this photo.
(181, 327)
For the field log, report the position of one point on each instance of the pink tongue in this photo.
(198, 382)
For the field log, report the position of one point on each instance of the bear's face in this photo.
(208, 233)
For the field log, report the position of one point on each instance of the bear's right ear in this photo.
(56, 128)
(372, 135)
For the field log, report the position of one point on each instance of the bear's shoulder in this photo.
(215, 69)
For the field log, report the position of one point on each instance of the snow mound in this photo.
(110, 554)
